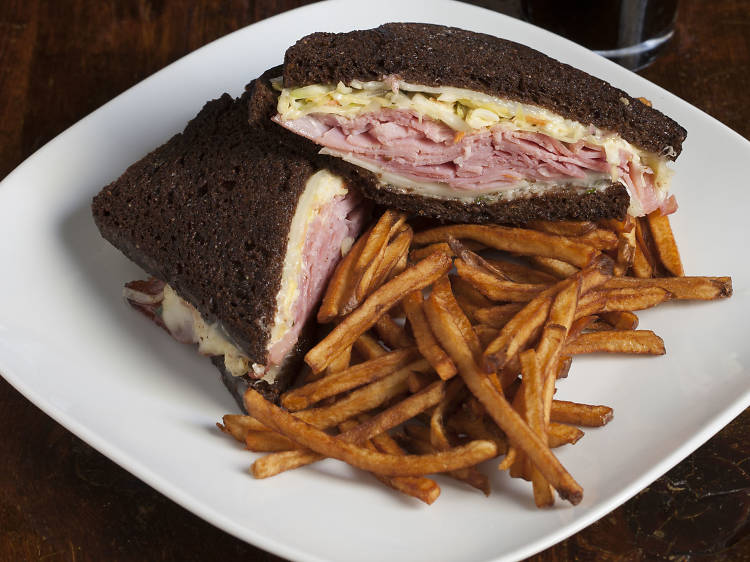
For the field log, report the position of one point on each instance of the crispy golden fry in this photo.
(641, 267)
(517, 240)
(237, 426)
(394, 465)
(563, 228)
(377, 304)
(516, 333)
(442, 295)
(534, 414)
(420, 443)
(396, 252)
(599, 238)
(521, 273)
(475, 426)
(639, 342)
(485, 334)
(509, 460)
(620, 298)
(392, 334)
(580, 414)
(426, 342)
(680, 288)
(267, 442)
(497, 407)
(557, 268)
(341, 361)
(353, 377)
(419, 381)
(368, 347)
(644, 261)
(385, 420)
(626, 248)
(620, 320)
(559, 434)
(497, 289)
(342, 283)
(418, 487)
(372, 256)
(617, 226)
(364, 398)
(664, 243)
(475, 260)
(499, 315)
(421, 253)
(462, 288)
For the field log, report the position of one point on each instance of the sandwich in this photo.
(239, 230)
(465, 126)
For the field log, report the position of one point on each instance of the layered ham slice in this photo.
(494, 160)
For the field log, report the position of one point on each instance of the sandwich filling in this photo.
(327, 220)
(455, 143)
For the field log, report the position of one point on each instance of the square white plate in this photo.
(70, 344)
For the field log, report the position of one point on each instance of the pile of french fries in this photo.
(446, 346)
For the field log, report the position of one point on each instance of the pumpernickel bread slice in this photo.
(476, 126)
(224, 216)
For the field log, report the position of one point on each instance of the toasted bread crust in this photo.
(434, 55)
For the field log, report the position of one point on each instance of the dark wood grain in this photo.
(62, 501)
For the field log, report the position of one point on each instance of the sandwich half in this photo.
(240, 232)
(464, 126)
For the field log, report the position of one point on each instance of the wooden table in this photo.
(61, 500)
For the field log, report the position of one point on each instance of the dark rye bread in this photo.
(209, 212)
(434, 55)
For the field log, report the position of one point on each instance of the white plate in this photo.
(70, 344)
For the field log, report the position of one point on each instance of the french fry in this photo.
(497, 407)
(626, 247)
(426, 342)
(380, 463)
(341, 361)
(485, 334)
(521, 273)
(392, 334)
(377, 304)
(362, 399)
(499, 315)
(580, 414)
(664, 242)
(620, 298)
(267, 442)
(534, 414)
(557, 268)
(680, 288)
(341, 284)
(563, 228)
(638, 342)
(418, 487)
(237, 426)
(644, 261)
(599, 238)
(559, 434)
(514, 336)
(372, 255)
(368, 347)
(475, 260)
(442, 295)
(467, 291)
(497, 289)
(517, 240)
(421, 253)
(396, 251)
(353, 377)
(620, 320)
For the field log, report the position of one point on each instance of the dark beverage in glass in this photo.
(629, 32)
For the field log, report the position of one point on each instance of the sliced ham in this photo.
(422, 149)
